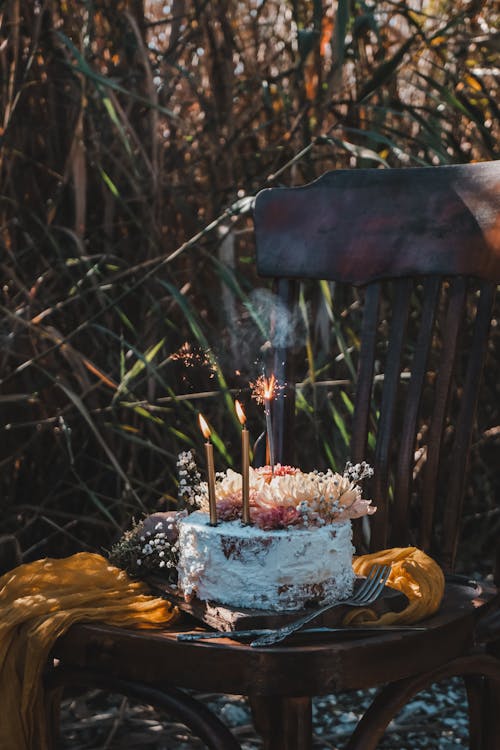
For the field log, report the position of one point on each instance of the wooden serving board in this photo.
(223, 617)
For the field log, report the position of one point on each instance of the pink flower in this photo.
(279, 517)
(229, 508)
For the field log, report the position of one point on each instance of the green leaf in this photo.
(140, 365)
(108, 104)
(339, 423)
(110, 184)
(147, 414)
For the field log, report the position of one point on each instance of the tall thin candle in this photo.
(209, 455)
(245, 464)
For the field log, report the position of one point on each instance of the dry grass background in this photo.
(133, 135)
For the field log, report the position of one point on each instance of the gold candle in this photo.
(209, 455)
(245, 464)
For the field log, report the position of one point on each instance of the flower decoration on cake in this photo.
(190, 485)
(285, 496)
(150, 547)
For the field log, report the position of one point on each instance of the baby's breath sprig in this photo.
(357, 472)
(190, 489)
(149, 547)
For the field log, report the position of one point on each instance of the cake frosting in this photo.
(250, 567)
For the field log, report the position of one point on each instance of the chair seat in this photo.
(320, 667)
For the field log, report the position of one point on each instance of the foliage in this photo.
(133, 137)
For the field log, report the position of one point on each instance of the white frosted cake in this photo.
(297, 551)
(249, 567)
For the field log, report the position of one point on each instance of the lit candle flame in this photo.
(240, 412)
(204, 426)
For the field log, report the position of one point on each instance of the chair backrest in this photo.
(424, 243)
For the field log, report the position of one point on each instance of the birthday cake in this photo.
(294, 551)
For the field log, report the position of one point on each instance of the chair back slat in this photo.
(456, 305)
(385, 431)
(464, 423)
(362, 402)
(404, 471)
(284, 371)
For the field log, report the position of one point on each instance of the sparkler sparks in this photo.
(193, 357)
(265, 389)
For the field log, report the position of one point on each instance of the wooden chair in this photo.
(425, 239)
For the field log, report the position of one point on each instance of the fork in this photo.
(368, 592)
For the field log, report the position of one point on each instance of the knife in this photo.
(237, 635)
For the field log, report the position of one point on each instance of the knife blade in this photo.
(237, 635)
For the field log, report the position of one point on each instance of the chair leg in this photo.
(52, 707)
(283, 723)
(195, 715)
(491, 716)
(475, 687)
(395, 696)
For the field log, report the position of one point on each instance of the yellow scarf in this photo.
(38, 603)
(41, 600)
(412, 572)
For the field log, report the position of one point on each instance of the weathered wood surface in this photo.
(222, 617)
(361, 225)
(319, 668)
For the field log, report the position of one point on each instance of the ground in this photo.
(434, 720)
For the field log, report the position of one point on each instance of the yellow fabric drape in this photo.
(39, 601)
(412, 572)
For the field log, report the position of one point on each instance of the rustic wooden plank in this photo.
(439, 220)
(224, 617)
